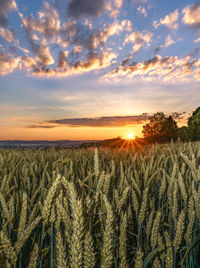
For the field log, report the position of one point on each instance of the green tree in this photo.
(184, 133)
(160, 128)
(194, 125)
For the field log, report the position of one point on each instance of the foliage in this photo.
(105, 208)
(194, 125)
(160, 128)
(184, 133)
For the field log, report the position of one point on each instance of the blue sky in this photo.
(76, 59)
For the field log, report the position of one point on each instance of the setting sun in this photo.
(130, 136)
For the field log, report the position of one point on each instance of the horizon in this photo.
(72, 70)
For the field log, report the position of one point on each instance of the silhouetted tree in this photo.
(194, 125)
(160, 128)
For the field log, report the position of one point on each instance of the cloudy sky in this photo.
(82, 69)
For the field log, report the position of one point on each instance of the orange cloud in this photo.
(8, 63)
(168, 42)
(142, 11)
(192, 15)
(114, 6)
(47, 24)
(168, 68)
(82, 38)
(169, 21)
(6, 34)
(5, 7)
(197, 40)
(139, 39)
(106, 121)
(92, 62)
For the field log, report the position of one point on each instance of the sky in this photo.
(82, 69)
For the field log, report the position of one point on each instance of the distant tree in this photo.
(194, 125)
(184, 133)
(160, 128)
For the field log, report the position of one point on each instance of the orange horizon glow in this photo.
(68, 133)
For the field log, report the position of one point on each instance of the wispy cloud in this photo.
(114, 7)
(83, 38)
(167, 69)
(109, 121)
(106, 121)
(62, 44)
(5, 7)
(168, 42)
(6, 34)
(47, 24)
(142, 10)
(192, 16)
(170, 21)
(197, 40)
(42, 126)
(8, 63)
(139, 39)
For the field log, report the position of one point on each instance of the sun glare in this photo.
(130, 136)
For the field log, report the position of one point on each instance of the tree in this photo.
(194, 125)
(184, 133)
(160, 128)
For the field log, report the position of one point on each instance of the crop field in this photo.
(85, 208)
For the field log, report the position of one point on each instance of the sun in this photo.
(130, 136)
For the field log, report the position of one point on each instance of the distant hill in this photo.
(44, 143)
(115, 143)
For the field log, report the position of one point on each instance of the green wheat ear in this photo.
(107, 250)
(109, 209)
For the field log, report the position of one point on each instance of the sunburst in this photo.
(130, 136)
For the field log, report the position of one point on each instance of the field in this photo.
(87, 208)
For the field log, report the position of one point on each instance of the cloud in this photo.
(168, 42)
(84, 8)
(82, 45)
(83, 39)
(142, 11)
(5, 7)
(8, 63)
(197, 40)
(192, 15)
(6, 34)
(82, 35)
(92, 62)
(28, 63)
(110, 121)
(62, 59)
(139, 39)
(43, 55)
(47, 24)
(87, 43)
(42, 126)
(114, 7)
(169, 21)
(167, 69)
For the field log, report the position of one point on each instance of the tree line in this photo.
(162, 128)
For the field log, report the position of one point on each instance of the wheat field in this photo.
(100, 208)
